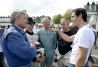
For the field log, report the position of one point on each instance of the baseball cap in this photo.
(31, 21)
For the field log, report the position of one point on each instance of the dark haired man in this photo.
(83, 40)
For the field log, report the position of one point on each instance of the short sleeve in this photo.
(84, 39)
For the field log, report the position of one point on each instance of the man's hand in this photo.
(41, 59)
(31, 44)
(35, 44)
(54, 29)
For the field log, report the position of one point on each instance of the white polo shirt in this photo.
(84, 38)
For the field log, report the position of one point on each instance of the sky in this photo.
(41, 7)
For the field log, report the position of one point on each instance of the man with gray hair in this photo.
(48, 41)
(17, 49)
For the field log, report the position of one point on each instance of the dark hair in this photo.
(31, 21)
(82, 11)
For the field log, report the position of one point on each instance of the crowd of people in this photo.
(27, 43)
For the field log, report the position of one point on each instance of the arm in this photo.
(81, 57)
(55, 41)
(65, 37)
(38, 33)
(18, 46)
(39, 59)
(84, 43)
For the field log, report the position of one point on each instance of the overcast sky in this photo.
(41, 7)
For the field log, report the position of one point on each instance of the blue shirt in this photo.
(16, 47)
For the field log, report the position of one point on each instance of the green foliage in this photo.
(43, 16)
(67, 14)
(25, 10)
(57, 18)
(48, 17)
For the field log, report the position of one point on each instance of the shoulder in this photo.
(71, 32)
(86, 32)
(35, 34)
(54, 33)
(10, 30)
(85, 29)
(41, 31)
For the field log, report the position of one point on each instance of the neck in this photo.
(29, 30)
(20, 27)
(81, 24)
(66, 30)
(47, 28)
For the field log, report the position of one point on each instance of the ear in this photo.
(80, 15)
(16, 18)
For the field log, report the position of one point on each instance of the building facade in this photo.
(92, 13)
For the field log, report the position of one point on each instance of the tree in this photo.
(56, 19)
(43, 16)
(24, 10)
(67, 14)
(48, 17)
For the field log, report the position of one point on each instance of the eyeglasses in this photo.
(31, 23)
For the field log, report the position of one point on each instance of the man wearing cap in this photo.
(32, 37)
(16, 47)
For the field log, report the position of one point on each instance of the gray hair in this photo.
(66, 20)
(46, 18)
(16, 13)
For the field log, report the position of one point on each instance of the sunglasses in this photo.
(31, 23)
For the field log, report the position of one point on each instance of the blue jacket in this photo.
(16, 47)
